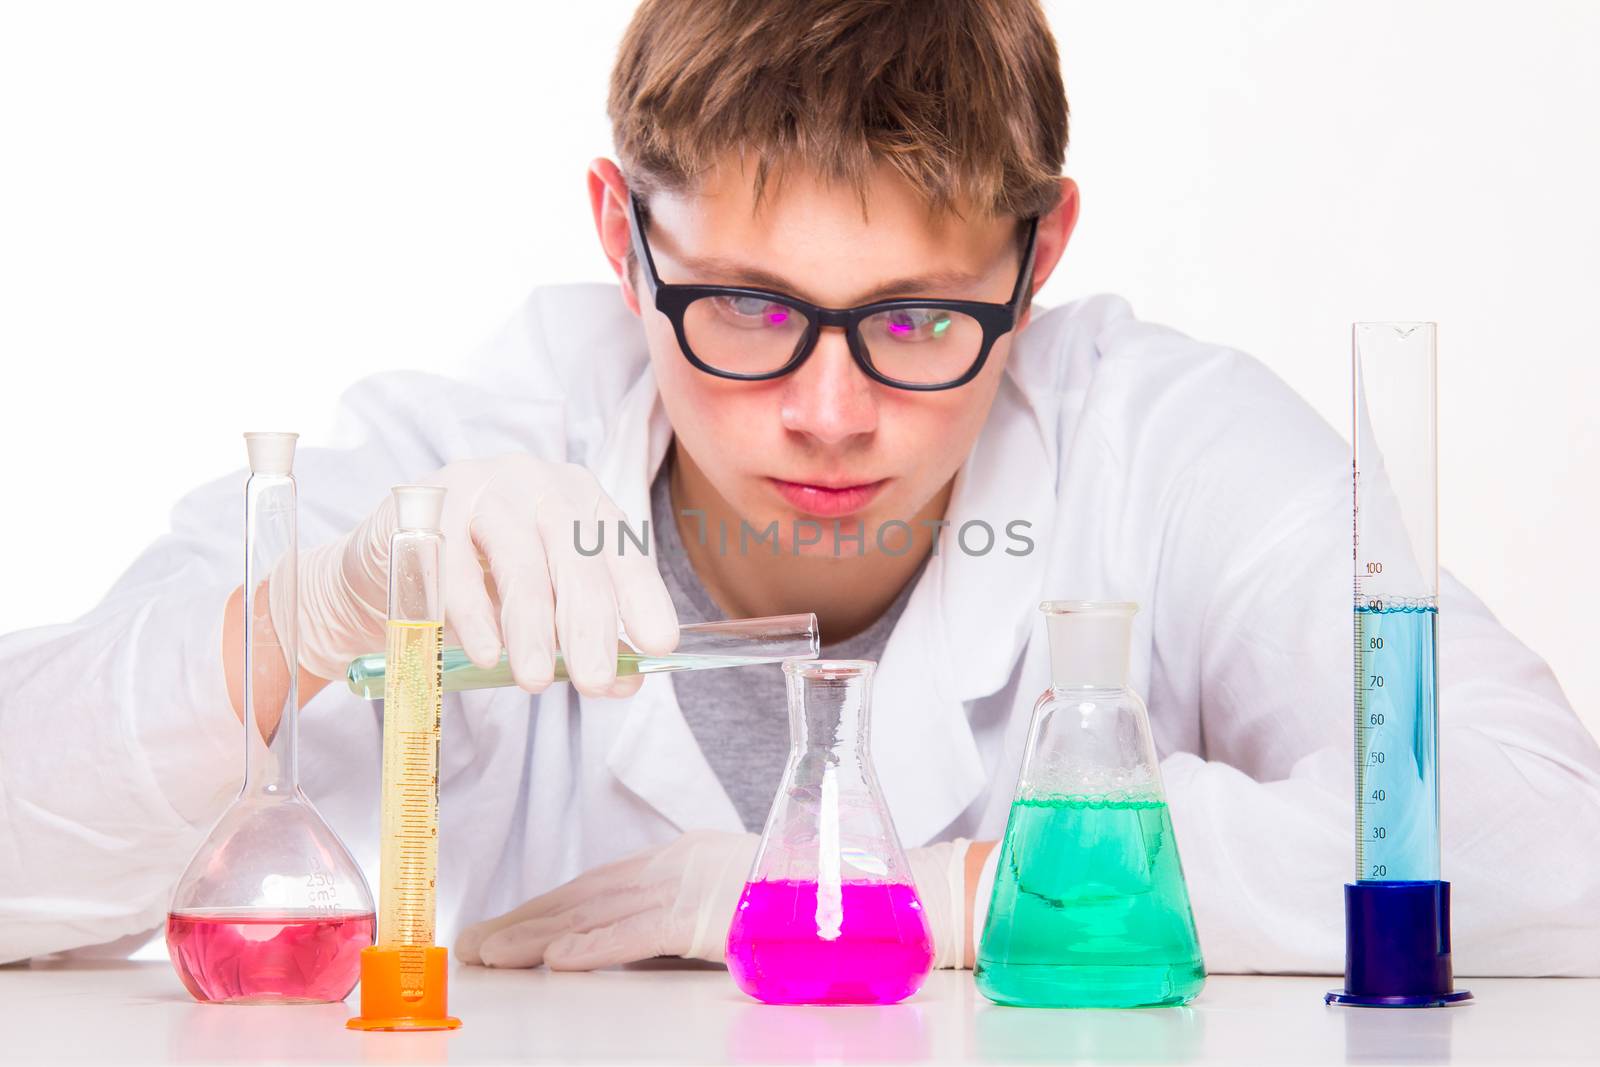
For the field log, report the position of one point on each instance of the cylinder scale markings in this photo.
(410, 853)
(1397, 810)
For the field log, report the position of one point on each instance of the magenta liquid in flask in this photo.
(259, 956)
(830, 914)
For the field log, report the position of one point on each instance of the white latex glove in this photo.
(941, 877)
(678, 900)
(517, 513)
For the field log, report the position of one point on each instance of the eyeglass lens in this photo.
(751, 335)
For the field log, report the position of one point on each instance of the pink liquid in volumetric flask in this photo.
(777, 951)
(247, 958)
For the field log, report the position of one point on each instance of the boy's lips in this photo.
(827, 501)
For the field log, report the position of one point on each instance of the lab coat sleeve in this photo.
(1265, 814)
(118, 743)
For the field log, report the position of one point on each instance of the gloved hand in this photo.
(517, 513)
(675, 900)
(678, 900)
(939, 872)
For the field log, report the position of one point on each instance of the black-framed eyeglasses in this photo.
(753, 335)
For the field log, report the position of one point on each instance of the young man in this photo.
(832, 155)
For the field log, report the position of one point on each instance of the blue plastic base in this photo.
(1397, 946)
(1338, 996)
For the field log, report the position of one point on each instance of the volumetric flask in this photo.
(1397, 911)
(830, 914)
(272, 909)
(701, 646)
(1090, 908)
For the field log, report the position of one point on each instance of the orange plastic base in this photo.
(385, 1002)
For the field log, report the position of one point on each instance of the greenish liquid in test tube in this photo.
(365, 675)
(1090, 909)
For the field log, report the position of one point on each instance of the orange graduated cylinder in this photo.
(384, 1004)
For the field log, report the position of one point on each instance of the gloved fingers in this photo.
(645, 879)
(517, 559)
(518, 938)
(520, 944)
(469, 941)
(608, 878)
(625, 686)
(586, 617)
(646, 612)
(468, 608)
(638, 937)
(526, 943)
(468, 612)
(342, 611)
(364, 558)
(552, 910)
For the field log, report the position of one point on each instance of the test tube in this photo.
(1397, 911)
(701, 646)
(404, 976)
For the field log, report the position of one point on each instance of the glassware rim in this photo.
(1088, 607)
(829, 669)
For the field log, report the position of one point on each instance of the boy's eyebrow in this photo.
(732, 272)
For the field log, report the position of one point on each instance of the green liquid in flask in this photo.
(1090, 909)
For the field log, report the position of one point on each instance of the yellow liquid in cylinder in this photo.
(410, 857)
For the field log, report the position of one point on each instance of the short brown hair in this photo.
(962, 97)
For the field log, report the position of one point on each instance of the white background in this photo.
(214, 217)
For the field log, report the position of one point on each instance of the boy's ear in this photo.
(1055, 230)
(608, 199)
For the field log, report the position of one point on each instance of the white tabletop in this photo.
(126, 1012)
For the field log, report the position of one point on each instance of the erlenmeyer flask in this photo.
(1090, 908)
(830, 914)
(272, 908)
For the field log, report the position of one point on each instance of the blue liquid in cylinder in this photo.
(1397, 743)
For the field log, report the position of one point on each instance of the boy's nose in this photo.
(829, 398)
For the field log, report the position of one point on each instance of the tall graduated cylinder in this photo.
(1397, 910)
(1090, 907)
(403, 979)
(1396, 606)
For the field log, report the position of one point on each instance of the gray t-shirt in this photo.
(740, 715)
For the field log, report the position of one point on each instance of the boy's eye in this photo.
(916, 324)
(753, 311)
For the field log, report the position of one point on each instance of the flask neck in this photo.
(829, 824)
(271, 648)
(1089, 647)
(829, 710)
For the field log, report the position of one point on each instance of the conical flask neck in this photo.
(1090, 736)
(829, 824)
(829, 708)
(1089, 643)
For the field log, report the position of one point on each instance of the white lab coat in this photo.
(1152, 468)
